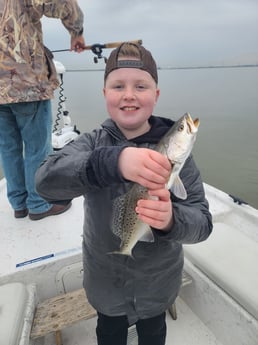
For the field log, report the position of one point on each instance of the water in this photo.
(226, 102)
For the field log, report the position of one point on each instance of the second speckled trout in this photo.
(176, 145)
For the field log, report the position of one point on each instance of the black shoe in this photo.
(21, 213)
(53, 211)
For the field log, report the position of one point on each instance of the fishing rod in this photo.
(97, 49)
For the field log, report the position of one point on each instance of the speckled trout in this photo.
(176, 145)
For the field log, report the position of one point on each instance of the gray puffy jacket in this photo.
(145, 285)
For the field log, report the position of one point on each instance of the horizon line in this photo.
(172, 67)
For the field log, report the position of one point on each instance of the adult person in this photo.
(27, 83)
(102, 166)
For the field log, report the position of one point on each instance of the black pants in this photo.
(114, 330)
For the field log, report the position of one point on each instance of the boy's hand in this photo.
(147, 167)
(157, 211)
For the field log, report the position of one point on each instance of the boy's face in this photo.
(131, 95)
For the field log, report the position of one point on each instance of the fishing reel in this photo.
(97, 49)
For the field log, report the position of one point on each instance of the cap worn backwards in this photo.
(145, 63)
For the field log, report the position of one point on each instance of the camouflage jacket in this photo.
(27, 72)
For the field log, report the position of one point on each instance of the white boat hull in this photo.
(47, 254)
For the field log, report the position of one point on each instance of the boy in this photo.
(102, 166)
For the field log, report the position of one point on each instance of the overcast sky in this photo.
(178, 32)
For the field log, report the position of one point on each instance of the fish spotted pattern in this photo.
(176, 145)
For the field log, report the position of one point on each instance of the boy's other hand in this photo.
(157, 211)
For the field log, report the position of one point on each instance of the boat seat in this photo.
(56, 313)
(229, 258)
(17, 304)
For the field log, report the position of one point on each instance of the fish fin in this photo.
(117, 252)
(178, 189)
(170, 182)
(147, 236)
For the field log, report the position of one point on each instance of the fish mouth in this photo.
(192, 124)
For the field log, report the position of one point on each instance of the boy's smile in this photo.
(129, 108)
(131, 95)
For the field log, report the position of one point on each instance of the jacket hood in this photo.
(159, 127)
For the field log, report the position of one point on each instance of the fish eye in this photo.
(181, 127)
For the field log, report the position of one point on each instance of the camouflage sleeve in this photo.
(68, 11)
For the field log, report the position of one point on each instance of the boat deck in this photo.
(26, 244)
(187, 329)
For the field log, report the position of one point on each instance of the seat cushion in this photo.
(13, 299)
(229, 258)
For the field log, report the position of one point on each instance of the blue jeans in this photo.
(25, 141)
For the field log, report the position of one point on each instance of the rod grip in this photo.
(111, 44)
(117, 44)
